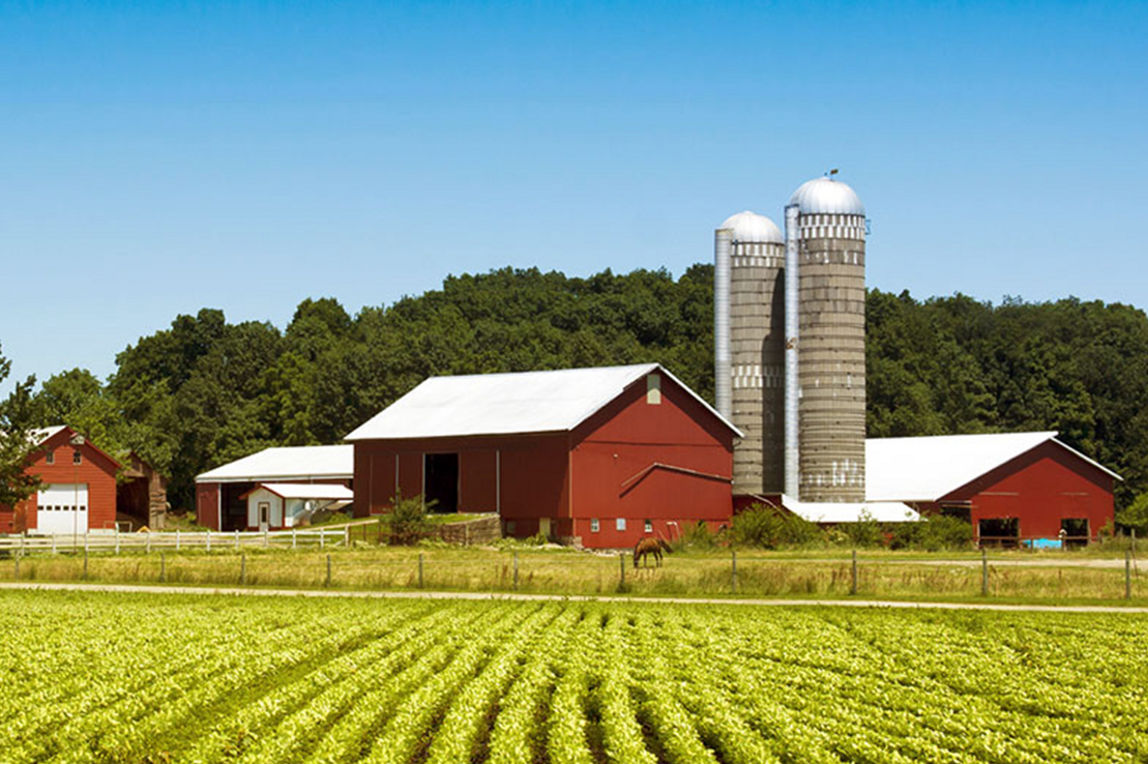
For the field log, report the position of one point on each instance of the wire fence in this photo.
(734, 573)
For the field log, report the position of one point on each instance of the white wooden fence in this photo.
(116, 542)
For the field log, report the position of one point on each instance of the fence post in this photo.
(162, 568)
(265, 540)
(622, 570)
(236, 538)
(147, 545)
(853, 582)
(23, 540)
(328, 583)
(177, 539)
(515, 570)
(18, 556)
(243, 568)
(85, 559)
(466, 534)
(294, 543)
(207, 543)
(1128, 575)
(53, 543)
(347, 536)
(733, 571)
(420, 570)
(117, 539)
(984, 572)
(322, 538)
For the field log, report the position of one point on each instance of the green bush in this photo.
(1135, 515)
(408, 520)
(770, 528)
(932, 534)
(866, 532)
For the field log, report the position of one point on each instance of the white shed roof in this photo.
(508, 404)
(332, 491)
(927, 468)
(850, 512)
(288, 463)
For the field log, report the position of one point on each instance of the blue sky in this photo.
(159, 158)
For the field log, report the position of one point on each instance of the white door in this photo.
(264, 515)
(62, 508)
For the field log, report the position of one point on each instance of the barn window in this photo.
(77, 457)
(50, 457)
(653, 389)
(649, 526)
(620, 523)
(594, 525)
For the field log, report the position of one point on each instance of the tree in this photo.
(16, 484)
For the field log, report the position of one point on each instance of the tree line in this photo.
(205, 391)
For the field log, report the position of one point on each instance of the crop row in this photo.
(101, 677)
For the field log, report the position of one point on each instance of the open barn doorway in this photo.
(441, 482)
(999, 531)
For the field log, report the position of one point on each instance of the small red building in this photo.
(1015, 488)
(78, 491)
(601, 455)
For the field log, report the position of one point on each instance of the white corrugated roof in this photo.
(285, 464)
(850, 512)
(508, 404)
(927, 468)
(309, 491)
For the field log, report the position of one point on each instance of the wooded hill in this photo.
(206, 391)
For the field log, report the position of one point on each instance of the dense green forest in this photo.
(205, 391)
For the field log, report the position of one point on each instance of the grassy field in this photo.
(1012, 577)
(105, 677)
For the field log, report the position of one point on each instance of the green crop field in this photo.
(150, 677)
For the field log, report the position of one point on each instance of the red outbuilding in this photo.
(78, 491)
(600, 456)
(1015, 488)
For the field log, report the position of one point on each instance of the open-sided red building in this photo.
(1022, 487)
(601, 455)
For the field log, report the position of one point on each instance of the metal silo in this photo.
(749, 346)
(831, 349)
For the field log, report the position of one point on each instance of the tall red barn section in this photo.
(598, 456)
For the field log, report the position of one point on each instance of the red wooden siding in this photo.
(207, 505)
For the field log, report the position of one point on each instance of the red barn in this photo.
(600, 455)
(1013, 487)
(78, 491)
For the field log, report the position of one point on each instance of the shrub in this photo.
(865, 532)
(409, 520)
(769, 528)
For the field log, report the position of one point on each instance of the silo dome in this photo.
(827, 196)
(751, 228)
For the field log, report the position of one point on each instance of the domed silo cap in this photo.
(827, 196)
(752, 228)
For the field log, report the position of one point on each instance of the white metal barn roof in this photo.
(508, 404)
(331, 491)
(285, 464)
(850, 512)
(927, 468)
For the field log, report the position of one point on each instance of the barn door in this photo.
(264, 515)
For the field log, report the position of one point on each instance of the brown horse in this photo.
(650, 545)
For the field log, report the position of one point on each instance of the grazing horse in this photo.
(650, 545)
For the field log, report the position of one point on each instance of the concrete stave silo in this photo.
(831, 353)
(749, 252)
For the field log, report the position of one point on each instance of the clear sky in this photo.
(158, 158)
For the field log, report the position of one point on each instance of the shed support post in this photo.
(853, 580)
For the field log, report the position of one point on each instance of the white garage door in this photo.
(62, 508)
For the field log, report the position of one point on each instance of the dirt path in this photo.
(319, 593)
